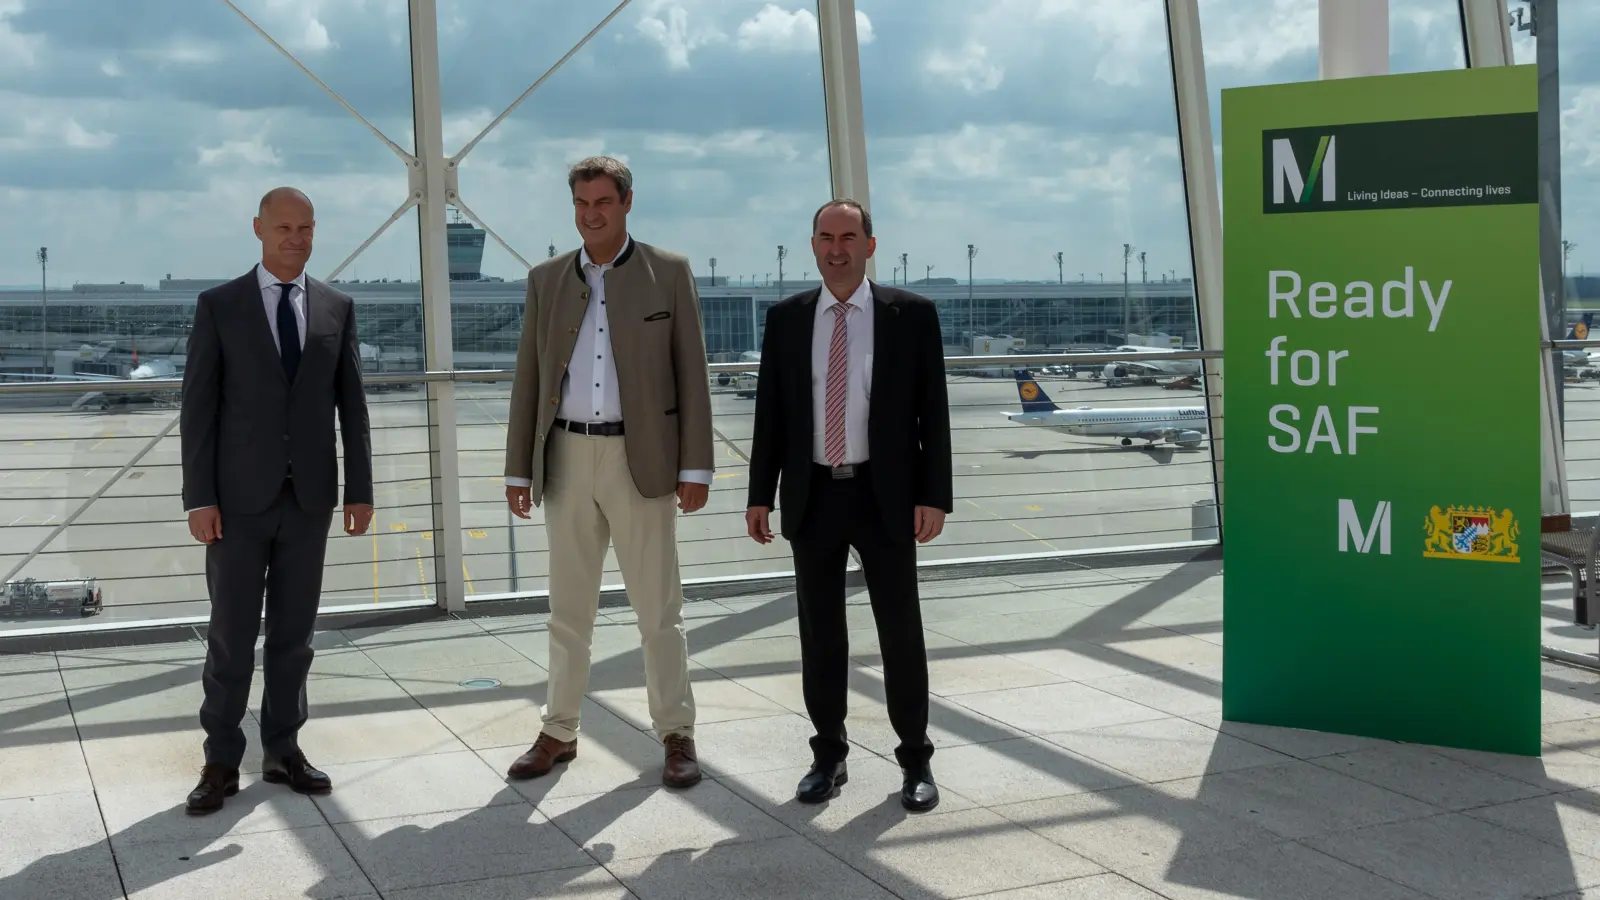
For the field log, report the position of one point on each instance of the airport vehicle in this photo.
(29, 598)
(1184, 426)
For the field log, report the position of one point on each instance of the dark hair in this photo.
(602, 167)
(866, 217)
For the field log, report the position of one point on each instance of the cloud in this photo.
(1580, 135)
(257, 153)
(864, 32)
(968, 68)
(750, 143)
(668, 24)
(776, 30)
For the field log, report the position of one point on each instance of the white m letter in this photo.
(1350, 528)
(1285, 169)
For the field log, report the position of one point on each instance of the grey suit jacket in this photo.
(244, 424)
(653, 312)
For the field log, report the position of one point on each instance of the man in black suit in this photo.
(272, 355)
(851, 417)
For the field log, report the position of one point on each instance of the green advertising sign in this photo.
(1381, 514)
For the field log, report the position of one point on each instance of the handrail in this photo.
(482, 376)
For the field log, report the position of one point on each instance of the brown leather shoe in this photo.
(681, 769)
(216, 782)
(542, 757)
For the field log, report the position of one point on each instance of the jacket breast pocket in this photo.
(660, 316)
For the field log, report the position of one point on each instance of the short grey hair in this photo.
(602, 166)
(847, 203)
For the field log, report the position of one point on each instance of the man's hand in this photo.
(930, 521)
(520, 501)
(357, 518)
(692, 495)
(755, 522)
(205, 525)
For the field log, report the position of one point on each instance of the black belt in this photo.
(855, 470)
(595, 429)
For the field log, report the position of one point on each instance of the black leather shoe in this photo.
(297, 773)
(822, 783)
(920, 794)
(216, 783)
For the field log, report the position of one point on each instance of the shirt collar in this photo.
(622, 255)
(859, 298)
(267, 279)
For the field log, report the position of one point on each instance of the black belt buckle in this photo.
(842, 472)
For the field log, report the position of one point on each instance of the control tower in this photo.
(465, 244)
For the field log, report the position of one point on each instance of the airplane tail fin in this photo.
(1033, 397)
(1580, 331)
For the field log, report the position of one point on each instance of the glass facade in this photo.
(1037, 196)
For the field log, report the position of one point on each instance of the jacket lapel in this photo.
(319, 322)
(885, 322)
(805, 338)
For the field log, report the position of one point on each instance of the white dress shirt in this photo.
(271, 294)
(589, 389)
(858, 353)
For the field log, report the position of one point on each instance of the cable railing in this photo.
(1020, 492)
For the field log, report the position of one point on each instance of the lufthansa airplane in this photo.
(1184, 426)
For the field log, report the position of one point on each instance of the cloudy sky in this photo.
(135, 138)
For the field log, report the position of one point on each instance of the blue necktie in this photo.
(288, 333)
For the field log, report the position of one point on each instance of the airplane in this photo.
(154, 369)
(1577, 359)
(1185, 426)
(1146, 370)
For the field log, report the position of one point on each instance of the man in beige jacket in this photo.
(610, 423)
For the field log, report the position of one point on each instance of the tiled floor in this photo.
(1080, 748)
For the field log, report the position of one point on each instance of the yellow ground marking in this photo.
(398, 526)
(427, 535)
(477, 533)
(422, 576)
(721, 475)
(374, 565)
(1033, 508)
(468, 576)
(1025, 531)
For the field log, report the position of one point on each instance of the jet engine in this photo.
(1188, 438)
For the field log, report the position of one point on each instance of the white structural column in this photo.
(841, 92)
(1198, 152)
(428, 183)
(1486, 27)
(1352, 38)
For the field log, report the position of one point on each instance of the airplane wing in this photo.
(31, 376)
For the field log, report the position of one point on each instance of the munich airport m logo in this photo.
(1362, 536)
(1290, 182)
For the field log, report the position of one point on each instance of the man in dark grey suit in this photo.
(272, 355)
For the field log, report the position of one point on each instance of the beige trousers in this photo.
(591, 502)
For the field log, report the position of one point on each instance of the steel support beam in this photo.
(1197, 150)
(430, 192)
(841, 99)
(1352, 38)
(1486, 28)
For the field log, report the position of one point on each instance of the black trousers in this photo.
(840, 514)
(276, 554)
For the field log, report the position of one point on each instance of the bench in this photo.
(1574, 548)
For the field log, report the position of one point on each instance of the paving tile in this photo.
(386, 789)
(1021, 769)
(1136, 827)
(98, 713)
(21, 663)
(1165, 749)
(998, 632)
(402, 635)
(1094, 887)
(867, 649)
(425, 652)
(1299, 799)
(1285, 871)
(1569, 821)
(784, 868)
(30, 723)
(1429, 776)
(1178, 692)
(872, 793)
(759, 656)
(36, 769)
(1582, 735)
(1171, 650)
(648, 822)
(983, 671)
(150, 811)
(164, 756)
(1056, 707)
(1462, 858)
(484, 717)
(31, 683)
(716, 699)
(954, 855)
(309, 862)
(55, 847)
(611, 755)
(588, 883)
(445, 848)
(1555, 770)
(949, 723)
(755, 745)
(1295, 742)
(1078, 660)
(390, 735)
